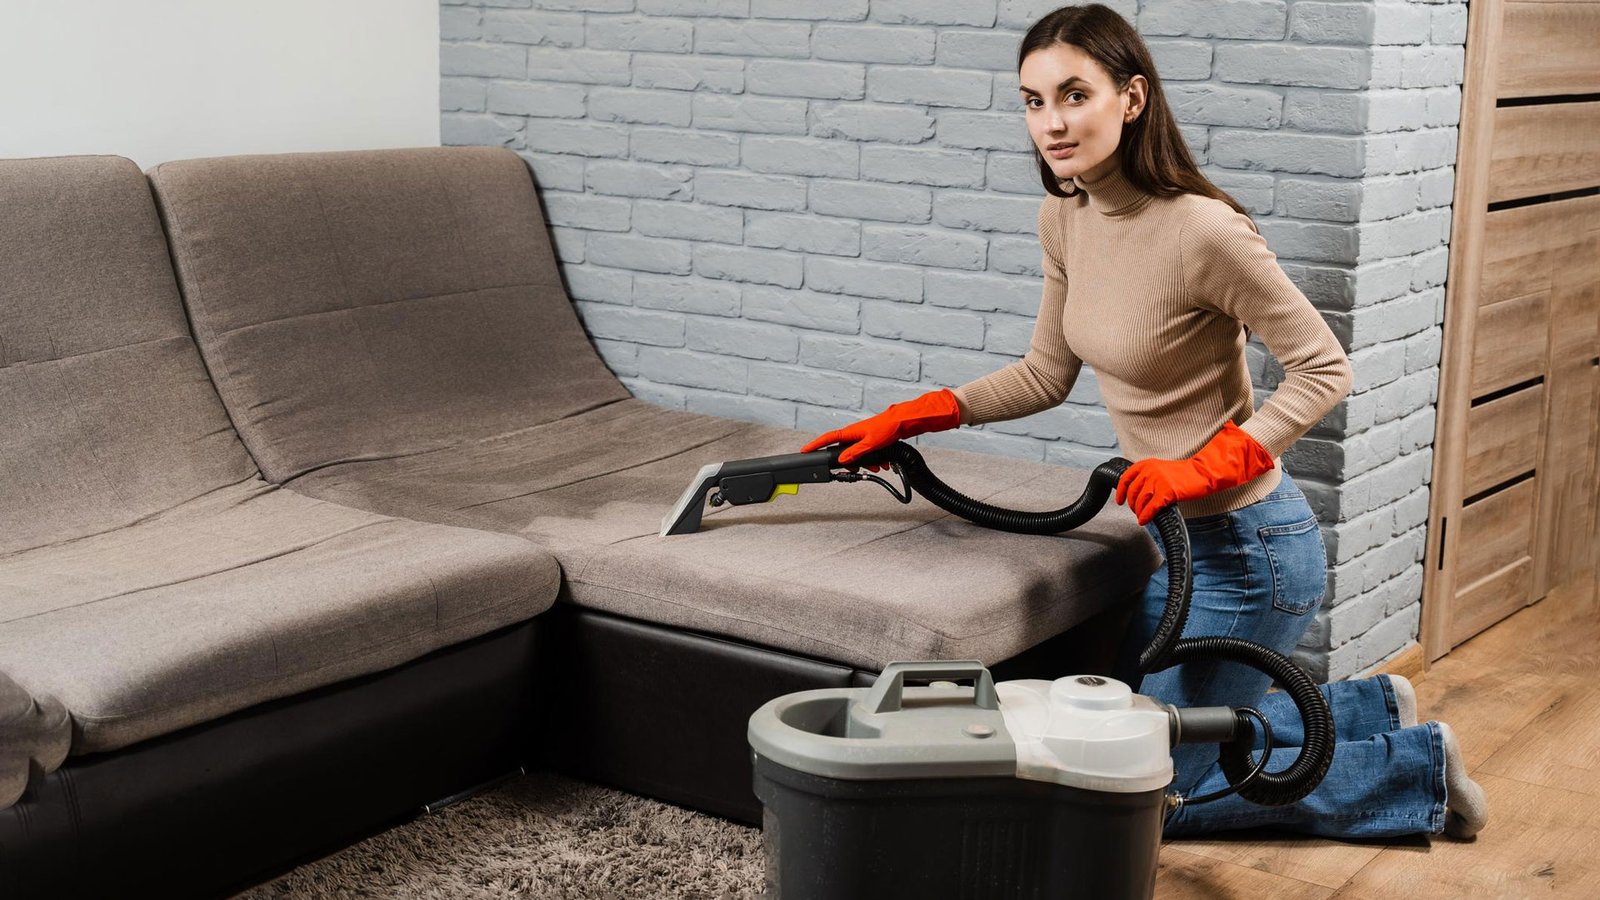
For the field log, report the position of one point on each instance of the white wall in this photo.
(173, 79)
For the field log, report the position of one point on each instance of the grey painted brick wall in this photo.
(797, 213)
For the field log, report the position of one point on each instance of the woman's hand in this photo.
(933, 411)
(1229, 459)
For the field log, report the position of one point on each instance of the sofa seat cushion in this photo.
(389, 331)
(247, 594)
(840, 571)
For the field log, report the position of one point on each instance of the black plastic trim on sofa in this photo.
(219, 806)
(662, 712)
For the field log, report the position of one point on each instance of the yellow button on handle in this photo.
(784, 489)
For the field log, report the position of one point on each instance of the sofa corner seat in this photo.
(152, 583)
(389, 331)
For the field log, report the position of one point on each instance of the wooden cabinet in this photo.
(1517, 452)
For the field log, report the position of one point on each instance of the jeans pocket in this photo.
(1299, 565)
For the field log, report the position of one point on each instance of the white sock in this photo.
(1466, 806)
(1405, 699)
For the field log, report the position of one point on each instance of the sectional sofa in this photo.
(317, 508)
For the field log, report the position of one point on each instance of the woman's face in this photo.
(1075, 111)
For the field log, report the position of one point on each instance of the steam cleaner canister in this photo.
(1022, 789)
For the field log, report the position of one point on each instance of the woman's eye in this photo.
(1034, 103)
(1077, 97)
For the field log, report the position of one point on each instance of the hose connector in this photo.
(1204, 724)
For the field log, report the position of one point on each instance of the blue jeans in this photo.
(1259, 574)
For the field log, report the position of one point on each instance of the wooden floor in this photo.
(1524, 697)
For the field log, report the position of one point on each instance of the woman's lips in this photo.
(1061, 152)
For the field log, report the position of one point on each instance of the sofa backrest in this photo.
(374, 304)
(106, 413)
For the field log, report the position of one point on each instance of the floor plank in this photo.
(1310, 859)
(1486, 706)
(1560, 748)
(1540, 842)
(1188, 876)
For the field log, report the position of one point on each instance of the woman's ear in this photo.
(1137, 91)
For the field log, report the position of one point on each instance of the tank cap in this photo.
(1091, 692)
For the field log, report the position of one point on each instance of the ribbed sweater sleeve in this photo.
(1044, 376)
(1227, 266)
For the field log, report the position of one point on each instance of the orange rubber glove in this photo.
(933, 411)
(1229, 459)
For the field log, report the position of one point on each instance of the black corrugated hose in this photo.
(1166, 648)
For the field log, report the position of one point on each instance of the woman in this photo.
(1154, 276)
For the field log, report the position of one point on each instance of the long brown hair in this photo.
(1154, 156)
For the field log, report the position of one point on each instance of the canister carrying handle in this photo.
(886, 691)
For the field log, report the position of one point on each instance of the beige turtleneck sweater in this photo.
(1155, 293)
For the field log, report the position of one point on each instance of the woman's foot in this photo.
(1405, 699)
(1466, 807)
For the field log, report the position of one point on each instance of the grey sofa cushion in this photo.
(542, 443)
(840, 571)
(149, 578)
(248, 594)
(363, 305)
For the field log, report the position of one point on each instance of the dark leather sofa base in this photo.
(223, 805)
(652, 710)
(662, 712)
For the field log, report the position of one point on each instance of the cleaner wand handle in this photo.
(757, 480)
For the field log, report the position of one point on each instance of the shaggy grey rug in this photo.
(542, 836)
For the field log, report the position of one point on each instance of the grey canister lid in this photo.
(890, 730)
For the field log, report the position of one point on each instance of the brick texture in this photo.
(796, 213)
